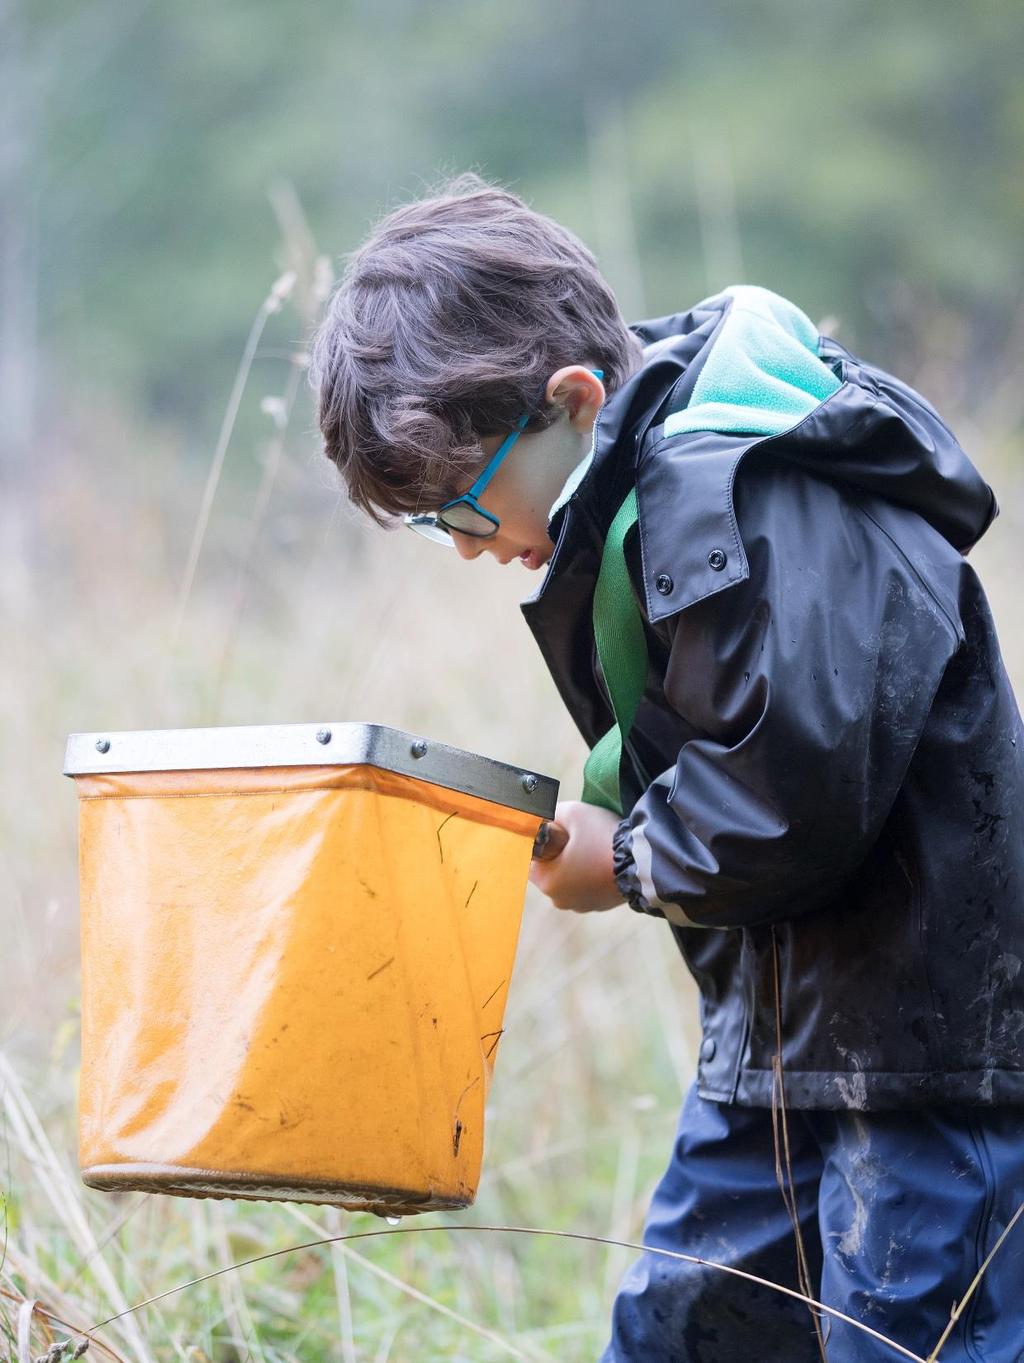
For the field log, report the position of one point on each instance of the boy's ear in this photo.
(579, 391)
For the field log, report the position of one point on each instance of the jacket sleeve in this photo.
(808, 686)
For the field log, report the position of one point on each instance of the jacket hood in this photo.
(765, 368)
(744, 369)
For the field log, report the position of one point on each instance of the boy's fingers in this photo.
(550, 841)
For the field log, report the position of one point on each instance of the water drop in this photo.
(392, 1220)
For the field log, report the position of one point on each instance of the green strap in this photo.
(622, 650)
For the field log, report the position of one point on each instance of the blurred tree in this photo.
(863, 160)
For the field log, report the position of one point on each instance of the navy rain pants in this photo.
(898, 1210)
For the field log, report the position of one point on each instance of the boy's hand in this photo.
(580, 878)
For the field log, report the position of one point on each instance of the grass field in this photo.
(330, 620)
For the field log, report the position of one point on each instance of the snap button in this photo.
(717, 559)
(663, 583)
(707, 1049)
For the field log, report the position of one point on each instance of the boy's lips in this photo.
(532, 559)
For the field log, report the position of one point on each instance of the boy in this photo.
(807, 756)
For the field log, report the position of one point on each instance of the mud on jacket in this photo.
(824, 783)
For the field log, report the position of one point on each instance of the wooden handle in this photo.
(550, 841)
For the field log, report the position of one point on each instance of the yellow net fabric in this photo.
(293, 982)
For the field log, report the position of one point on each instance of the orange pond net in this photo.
(294, 980)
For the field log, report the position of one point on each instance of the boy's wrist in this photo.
(624, 868)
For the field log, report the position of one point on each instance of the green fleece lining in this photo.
(763, 374)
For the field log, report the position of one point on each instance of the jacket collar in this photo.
(674, 349)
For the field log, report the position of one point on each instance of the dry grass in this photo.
(335, 621)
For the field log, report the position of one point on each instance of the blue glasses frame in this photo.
(433, 523)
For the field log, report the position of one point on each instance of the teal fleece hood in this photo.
(763, 374)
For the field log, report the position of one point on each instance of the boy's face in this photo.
(532, 475)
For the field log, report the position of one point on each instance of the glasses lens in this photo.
(426, 524)
(466, 520)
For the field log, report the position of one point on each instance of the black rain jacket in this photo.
(824, 780)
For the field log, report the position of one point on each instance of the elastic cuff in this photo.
(625, 871)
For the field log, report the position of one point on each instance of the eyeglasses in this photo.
(465, 514)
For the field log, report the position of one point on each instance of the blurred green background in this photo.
(862, 158)
(166, 560)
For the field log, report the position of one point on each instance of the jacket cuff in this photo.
(626, 876)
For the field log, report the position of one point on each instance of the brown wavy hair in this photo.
(445, 327)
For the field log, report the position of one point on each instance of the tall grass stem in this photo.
(958, 1309)
(280, 291)
(424, 1298)
(530, 1230)
(28, 1132)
